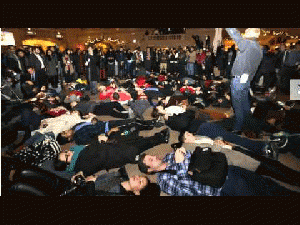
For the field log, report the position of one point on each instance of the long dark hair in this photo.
(49, 57)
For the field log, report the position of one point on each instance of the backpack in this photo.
(209, 168)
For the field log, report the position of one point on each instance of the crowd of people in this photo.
(55, 108)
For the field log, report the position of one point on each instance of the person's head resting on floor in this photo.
(150, 164)
(136, 185)
(140, 186)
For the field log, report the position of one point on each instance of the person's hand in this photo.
(29, 82)
(102, 138)
(223, 144)
(43, 125)
(91, 178)
(180, 155)
(114, 129)
(76, 175)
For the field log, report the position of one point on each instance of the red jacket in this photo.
(190, 89)
(123, 97)
(200, 58)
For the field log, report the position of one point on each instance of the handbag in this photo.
(209, 168)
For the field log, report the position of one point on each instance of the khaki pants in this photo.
(163, 67)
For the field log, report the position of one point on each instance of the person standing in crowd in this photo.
(11, 60)
(191, 62)
(200, 60)
(173, 62)
(155, 60)
(266, 70)
(68, 66)
(58, 55)
(221, 60)
(182, 60)
(92, 64)
(230, 57)
(22, 65)
(209, 65)
(38, 61)
(139, 58)
(148, 60)
(110, 59)
(279, 52)
(78, 61)
(129, 63)
(121, 57)
(244, 68)
(289, 69)
(163, 61)
(102, 65)
(51, 69)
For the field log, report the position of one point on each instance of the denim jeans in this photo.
(242, 182)
(240, 101)
(214, 130)
(190, 67)
(94, 86)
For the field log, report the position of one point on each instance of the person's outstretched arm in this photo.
(236, 36)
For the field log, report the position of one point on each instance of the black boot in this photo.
(279, 171)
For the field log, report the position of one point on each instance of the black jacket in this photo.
(96, 157)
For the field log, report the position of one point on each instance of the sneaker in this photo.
(157, 123)
(166, 135)
(270, 151)
(279, 141)
(131, 114)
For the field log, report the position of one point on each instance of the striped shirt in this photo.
(181, 184)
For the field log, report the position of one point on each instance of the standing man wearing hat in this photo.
(247, 60)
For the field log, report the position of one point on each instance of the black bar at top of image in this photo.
(150, 15)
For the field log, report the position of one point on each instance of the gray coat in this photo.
(248, 56)
(51, 66)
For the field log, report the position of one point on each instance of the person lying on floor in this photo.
(213, 131)
(84, 133)
(87, 108)
(112, 152)
(54, 126)
(178, 118)
(245, 158)
(175, 177)
(118, 183)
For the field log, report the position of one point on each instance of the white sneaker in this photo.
(131, 113)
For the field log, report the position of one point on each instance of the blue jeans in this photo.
(240, 101)
(190, 67)
(94, 86)
(242, 182)
(214, 130)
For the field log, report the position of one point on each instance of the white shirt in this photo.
(41, 60)
(171, 110)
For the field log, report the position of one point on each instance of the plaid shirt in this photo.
(181, 184)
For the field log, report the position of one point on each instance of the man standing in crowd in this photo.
(289, 69)
(244, 68)
(110, 59)
(121, 57)
(38, 61)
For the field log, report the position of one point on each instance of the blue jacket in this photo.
(248, 56)
(87, 133)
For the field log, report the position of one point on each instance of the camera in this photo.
(79, 180)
